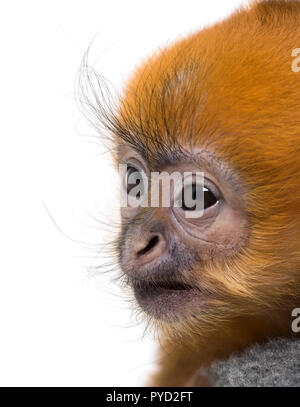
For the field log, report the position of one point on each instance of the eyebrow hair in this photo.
(201, 158)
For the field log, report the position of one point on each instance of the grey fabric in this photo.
(275, 363)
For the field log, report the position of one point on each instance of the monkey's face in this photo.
(165, 250)
(230, 109)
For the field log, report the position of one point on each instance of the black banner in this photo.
(138, 396)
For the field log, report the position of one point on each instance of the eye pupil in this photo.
(194, 191)
(208, 197)
(133, 178)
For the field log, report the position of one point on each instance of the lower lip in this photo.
(166, 302)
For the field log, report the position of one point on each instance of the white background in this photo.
(60, 323)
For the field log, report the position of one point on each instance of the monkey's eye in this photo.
(134, 182)
(191, 194)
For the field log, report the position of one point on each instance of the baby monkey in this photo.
(224, 102)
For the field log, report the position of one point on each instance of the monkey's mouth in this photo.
(165, 300)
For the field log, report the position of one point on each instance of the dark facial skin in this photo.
(163, 253)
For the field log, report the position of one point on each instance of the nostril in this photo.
(152, 243)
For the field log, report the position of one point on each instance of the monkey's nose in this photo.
(149, 247)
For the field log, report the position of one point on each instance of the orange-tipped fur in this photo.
(230, 90)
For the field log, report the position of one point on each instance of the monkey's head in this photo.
(226, 102)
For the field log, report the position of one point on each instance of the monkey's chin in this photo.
(169, 302)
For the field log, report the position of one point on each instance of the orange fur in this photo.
(230, 89)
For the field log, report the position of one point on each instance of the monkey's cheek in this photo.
(169, 304)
